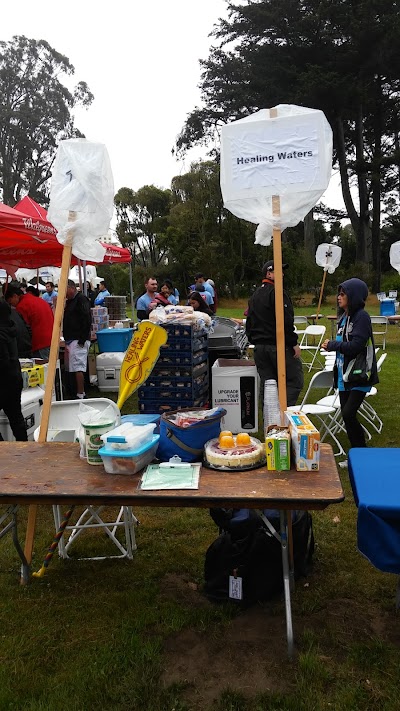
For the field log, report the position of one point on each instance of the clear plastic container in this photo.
(128, 436)
(129, 461)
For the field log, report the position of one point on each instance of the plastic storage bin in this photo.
(129, 461)
(388, 307)
(114, 339)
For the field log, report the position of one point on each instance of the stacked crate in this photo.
(180, 376)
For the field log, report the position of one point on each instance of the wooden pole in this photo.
(279, 317)
(321, 291)
(278, 281)
(51, 371)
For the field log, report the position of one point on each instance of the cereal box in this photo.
(305, 441)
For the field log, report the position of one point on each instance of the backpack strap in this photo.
(182, 445)
(267, 523)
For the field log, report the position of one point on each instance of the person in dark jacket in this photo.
(10, 374)
(261, 332)
(76, 332)
(353, 333)
(24, 338)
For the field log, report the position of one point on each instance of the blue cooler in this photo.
(388, 307)
(113, 340)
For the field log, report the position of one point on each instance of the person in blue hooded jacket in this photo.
(353, 333)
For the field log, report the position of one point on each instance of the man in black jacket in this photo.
(76, 332)
(261, 332)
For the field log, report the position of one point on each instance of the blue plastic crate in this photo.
(183, 331)
(146, 392)
(155, 406)
(181, 358)
(185, 371)
(114, 340)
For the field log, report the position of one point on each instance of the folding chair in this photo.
(313, 347)
(379, 329)
(63, 422)
(367, 410)
(326, 414)
(300, 324)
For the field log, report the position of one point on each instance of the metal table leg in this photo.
(11, 512)
(286, 581)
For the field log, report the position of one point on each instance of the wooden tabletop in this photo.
(52, 472)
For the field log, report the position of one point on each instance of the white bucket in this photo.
(93, 442)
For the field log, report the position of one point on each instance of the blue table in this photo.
(375, 479)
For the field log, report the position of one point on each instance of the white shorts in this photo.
(75, 358)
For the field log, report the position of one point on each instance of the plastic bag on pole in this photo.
(289, 155)
(82, 183)
(394, 256)
(328, 256)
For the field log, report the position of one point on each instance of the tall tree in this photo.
(142, 223)
(203, 236)
(339, 57)
(35, 113)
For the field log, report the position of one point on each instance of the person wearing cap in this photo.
(261, 332)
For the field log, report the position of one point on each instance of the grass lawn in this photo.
(116, 635)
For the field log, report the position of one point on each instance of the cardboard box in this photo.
(305, 441)
(278, 449)
(34, 376)
(235, 388)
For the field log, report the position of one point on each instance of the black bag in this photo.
(247, 549)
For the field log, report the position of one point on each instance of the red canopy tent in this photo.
(28, 239)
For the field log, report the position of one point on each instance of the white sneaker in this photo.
(344, 464)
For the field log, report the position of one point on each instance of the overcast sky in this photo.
(140, 60)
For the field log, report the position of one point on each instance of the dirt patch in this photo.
(247, 654)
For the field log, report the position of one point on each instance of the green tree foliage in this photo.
(205, 237)
(340, 57)
(35, 114)
(142, 223)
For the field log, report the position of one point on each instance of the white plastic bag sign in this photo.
(289, 156)
(328, 256)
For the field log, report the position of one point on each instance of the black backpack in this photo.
(248, 548)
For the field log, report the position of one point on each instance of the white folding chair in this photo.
(63, 422)
(326, 414)
(300, 324)
(367, 411)
(379, 329)
(311, 344)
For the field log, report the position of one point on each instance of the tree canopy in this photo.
(340, 57)
(35, 114)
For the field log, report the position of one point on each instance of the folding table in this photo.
(52, 472)
(375, 480)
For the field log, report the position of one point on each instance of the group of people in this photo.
(202, 295)
(354, 333)
(26, 326)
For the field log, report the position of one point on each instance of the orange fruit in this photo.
(243, 439)
(225, 433)
(226, 442)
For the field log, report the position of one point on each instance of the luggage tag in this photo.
(235, 587)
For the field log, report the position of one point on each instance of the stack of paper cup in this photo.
(272, 413)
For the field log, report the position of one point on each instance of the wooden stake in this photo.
(51, 371)
(279, 316)
(321, 291)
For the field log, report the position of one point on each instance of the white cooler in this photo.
(108, 366)
(31, 405)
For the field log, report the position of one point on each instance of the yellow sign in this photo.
(140, 358)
